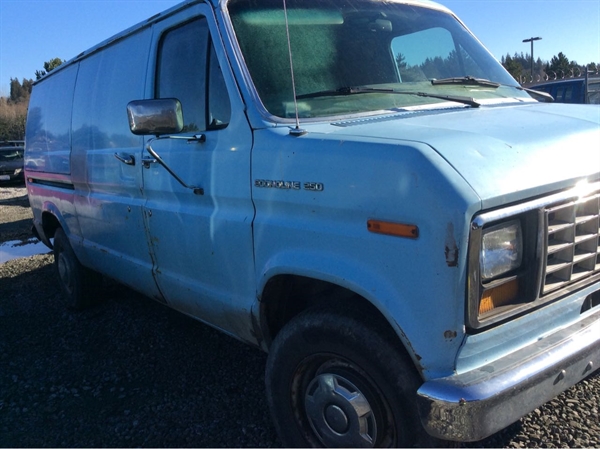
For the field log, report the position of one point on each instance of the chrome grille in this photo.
(572, 242)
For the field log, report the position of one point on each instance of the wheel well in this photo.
(49, 224)
(286, 296)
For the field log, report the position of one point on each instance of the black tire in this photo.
(80, 285)
(322, 358)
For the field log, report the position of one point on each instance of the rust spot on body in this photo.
(449, 335)
(451, 249)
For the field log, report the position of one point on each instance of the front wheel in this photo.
(79, 284)
(334, 382)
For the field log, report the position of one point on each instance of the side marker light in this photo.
(395, 229)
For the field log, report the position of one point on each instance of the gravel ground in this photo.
(131, 372)
(15, 214)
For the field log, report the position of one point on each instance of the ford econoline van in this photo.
(357, 188)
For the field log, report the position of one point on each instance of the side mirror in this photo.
(155, 117)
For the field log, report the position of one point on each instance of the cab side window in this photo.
(189, 71)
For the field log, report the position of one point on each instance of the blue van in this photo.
(357, 188)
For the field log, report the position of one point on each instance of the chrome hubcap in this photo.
(64, 271)
(339, 413)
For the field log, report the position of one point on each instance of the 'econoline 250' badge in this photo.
(289, 185)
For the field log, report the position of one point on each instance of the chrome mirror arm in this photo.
(156, 156)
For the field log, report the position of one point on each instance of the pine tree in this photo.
(48, 67)
(559, 65)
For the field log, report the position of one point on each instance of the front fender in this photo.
(372, 284)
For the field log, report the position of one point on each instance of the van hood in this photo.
(505, 153)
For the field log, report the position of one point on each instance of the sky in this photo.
(35, 31)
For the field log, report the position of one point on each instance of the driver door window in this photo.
(189, 71)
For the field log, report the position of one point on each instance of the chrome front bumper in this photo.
(478, 403)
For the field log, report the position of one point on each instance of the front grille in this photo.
(572, 242)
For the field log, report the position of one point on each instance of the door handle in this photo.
(146, 161)
(127, 159)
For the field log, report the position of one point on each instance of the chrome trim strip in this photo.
(574, 193)
(478, 403)
(59, 184)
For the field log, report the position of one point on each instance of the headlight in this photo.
(503, 267)
(501, 249)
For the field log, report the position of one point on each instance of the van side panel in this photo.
(49, 124)
(107, 191)
(48, 147)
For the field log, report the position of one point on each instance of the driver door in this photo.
(201, 239)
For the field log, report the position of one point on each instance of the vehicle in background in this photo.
(574, 90)
(11, 160)
(356, 187)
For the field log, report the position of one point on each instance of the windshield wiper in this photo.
(472, 81)
(369, 90)
(466, 81)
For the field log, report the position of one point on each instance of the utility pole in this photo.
(531, 39)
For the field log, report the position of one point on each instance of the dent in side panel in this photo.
(107, 191)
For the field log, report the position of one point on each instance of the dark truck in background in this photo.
(574, 90)
(11, 160)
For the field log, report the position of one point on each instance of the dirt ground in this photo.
(127, 373)
(15, 213)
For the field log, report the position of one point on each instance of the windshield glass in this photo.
(359, 43)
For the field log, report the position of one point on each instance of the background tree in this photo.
(19, 92)
(400, 61)
(48, 67)
(13, 110)
(12, 120)
(559, 65)
(512, 66)
(519, 66)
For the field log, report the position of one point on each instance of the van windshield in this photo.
(360, 43)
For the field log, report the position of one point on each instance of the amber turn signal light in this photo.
(501, 295)
(396, 229)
